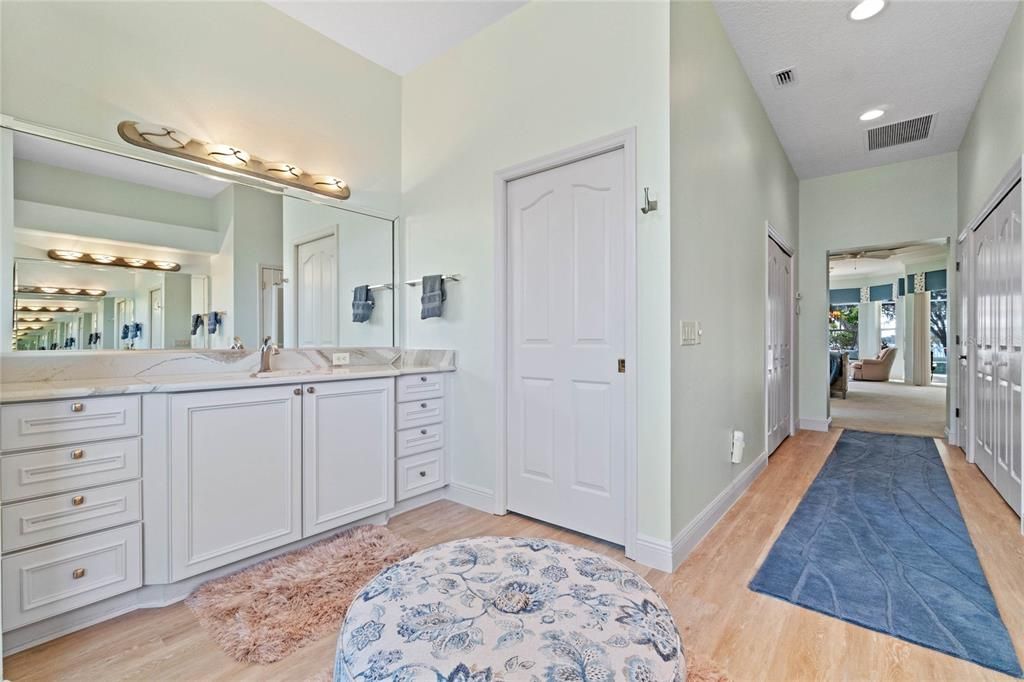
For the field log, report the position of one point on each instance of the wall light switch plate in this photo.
(690, 332)
(340, 359)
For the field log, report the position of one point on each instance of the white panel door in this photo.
(348, 440)
(566, 396)
(964, 334)
(778, 358)
(236, 459)
(318, 292)
(998, 347)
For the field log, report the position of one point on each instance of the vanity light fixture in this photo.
(65, 308)
(35, 319)
(866, 9)
(120, 261)
(69, 255)
(872, 114)
(72, 291)
(162, 136)
(234, 160)
(280, 169)
(225, 153)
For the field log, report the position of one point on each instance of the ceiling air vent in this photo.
(784, 78)
(901, 132)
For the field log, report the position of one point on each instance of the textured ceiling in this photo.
(913, 58)
(398, 35)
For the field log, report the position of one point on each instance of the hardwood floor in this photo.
(749, 636)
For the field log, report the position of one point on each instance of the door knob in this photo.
(78, 573)
(77, 454)
(310, 389)
(423, 474)
(77, 407)
(423, 379)
(297, 391)
(78, 500)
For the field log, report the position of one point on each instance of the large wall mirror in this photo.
(116, 253)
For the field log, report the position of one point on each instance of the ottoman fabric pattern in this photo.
(492, 609)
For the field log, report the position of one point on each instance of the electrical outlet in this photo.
(340, 359)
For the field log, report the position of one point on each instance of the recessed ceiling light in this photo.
(872, 114)
(866, 9)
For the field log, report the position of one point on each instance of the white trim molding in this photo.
(815, 424)
(696, 530)
(471, 496)
(626, 141)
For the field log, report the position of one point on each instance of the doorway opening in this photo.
(889, 338)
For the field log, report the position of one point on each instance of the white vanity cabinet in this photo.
(420, 434)
(347, 452)
(235, 475)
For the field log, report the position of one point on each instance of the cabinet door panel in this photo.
(235, 475)
(348, 448)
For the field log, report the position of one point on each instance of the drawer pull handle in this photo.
(77, 454)
(297, 391)
(423, 405)
(423, 379)
(78, 500)
(310, 389)
(423, 432)
(78, 573)
(78, 407)
(423, 474)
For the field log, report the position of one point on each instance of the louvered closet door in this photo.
(566, 398)
(998, 348)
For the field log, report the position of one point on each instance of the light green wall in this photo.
(236, 72)
(994, 140)
(729, 176)
(258, 240)
(38, 182)
(899, 203)
(547, 77)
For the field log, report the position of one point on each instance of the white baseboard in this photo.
(689, 537)
(411, 503)
(815, 424)
(472, 496)
(653, 552)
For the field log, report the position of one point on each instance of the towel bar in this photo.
(378, 287)
(447, 278)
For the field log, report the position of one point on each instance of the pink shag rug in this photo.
(266, 611)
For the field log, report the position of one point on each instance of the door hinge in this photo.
(958, 413)
(958, 339)
(958, 266)
(622, 365)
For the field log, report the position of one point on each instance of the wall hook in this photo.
(648, 204)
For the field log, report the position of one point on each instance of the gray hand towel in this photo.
(362, 304)
(433, 297)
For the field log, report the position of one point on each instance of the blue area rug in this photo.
(878, 540)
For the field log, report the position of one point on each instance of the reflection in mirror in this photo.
(252, 262)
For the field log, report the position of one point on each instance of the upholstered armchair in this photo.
(875, 369)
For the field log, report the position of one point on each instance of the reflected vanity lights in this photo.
(167, 140)
(61, 291)
(47, 308)
(120, 261)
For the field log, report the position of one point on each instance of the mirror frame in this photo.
(10, 124)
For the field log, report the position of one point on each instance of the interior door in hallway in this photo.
(998, 347)
(318, 292)
(566, 396)
(778, 338)
(964, 334)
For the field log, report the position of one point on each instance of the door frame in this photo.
(150, 320)
(773, 235)
(626, 141)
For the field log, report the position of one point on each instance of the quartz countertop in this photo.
(211, 372)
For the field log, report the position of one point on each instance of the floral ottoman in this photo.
(490, 609)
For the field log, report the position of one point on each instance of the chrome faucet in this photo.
(266, 350)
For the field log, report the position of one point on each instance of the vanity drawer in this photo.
(420, 386)
(44, 472)
(420, 474)
(419, 413)
(421, 439)
(40, 425)
(46, 581)
(66, 515)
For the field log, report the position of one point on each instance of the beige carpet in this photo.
(892, 407)
(265, 612)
